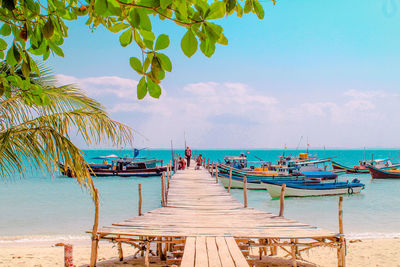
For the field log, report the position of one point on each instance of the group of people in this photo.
(188, 156)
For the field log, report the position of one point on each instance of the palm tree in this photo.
(39, 135)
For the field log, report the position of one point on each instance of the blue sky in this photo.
(323, 69)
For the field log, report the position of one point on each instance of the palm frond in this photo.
(41, 134)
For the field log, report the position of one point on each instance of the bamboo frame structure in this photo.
(197, 206)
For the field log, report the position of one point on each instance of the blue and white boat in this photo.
(313, 188)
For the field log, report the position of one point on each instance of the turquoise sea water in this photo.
(38, 205)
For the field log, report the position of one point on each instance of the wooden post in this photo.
(216, 173)
(293, 252)
(230, 179)
(140, 199)
(212, 169)
(341, 251)
(282, 204)
(341, 215)
(208, 164)
(245, 191)
(95, 238)
(146, 259)
(168, 174)
(120, 252)
(162, 189)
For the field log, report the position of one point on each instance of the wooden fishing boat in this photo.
(313, 189)
(237, 182)
(383, 174)
(256, 183)
(122, 167)
(382, 164)
(225, 169)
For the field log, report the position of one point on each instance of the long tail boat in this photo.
(383, 174)
(222, 168)
(313, 189)
(362, 168)
(121, 167)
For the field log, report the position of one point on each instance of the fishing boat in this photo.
(225, 169)
(122, 166)
(305, 189)
(237, 182)
(377, 173)
(383, 164)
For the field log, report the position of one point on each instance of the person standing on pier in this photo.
(188, 155)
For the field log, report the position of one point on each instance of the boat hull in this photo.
(383, 174)
(130, 172)
(338, 166)
(275, 191)
(239, 184)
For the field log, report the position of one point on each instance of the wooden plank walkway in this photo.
(200, 211)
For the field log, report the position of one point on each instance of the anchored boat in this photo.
(383, 164)
(305, 189)
(383, 174)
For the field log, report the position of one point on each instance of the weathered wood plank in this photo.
(188, 258)
(224, 254)
(237, 255)
(212, 250)
(201, 252)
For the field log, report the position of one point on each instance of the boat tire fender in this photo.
(350, 191)
(114, 173)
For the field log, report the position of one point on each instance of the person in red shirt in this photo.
(182, 163)
(188, 154)
(199, 162)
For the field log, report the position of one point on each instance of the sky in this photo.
(324, 70)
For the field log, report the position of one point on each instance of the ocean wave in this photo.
(43, 239)
(372, 235)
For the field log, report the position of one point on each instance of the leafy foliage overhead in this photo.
(39, 28)
(39, 135)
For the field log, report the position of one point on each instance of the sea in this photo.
(39, 206)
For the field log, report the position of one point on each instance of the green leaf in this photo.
(165, 3)
(239, 10)
(147, 35)
(134, 17)
(11, 60)
(1, 54)
(136, 65)
(145, 22)
(189, 44)
(217, 10)
(154, 89)
(165, 62)
(126, 38)
(222, 40)
(230, 5)
(258, 9)
(138, 39)
(5, 30)
(181, 6)
(56, 49)
(101, 7)
(48, 29)
(3, 44)
(118, 27)
(248, 6)
(155, 69)
(162, 42)
(207, 47)
(142, 88)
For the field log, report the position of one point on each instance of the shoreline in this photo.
(366, 252)
(74, 239)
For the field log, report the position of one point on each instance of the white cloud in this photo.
(233, 114)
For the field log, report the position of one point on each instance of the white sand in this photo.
(374, 252)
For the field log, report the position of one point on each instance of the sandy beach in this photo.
(367, 252)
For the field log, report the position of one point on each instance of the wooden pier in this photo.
(201, 224)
